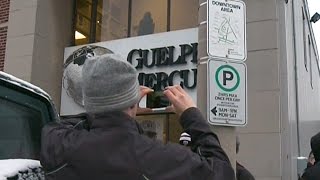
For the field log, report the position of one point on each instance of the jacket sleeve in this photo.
(205, 160)
(57, 140)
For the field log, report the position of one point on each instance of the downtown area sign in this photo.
(226, 29)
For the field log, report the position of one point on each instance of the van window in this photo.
(22, 116)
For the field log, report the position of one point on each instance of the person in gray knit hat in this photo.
(109, 84)
(114, 147)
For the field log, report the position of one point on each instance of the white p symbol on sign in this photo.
(227, 76)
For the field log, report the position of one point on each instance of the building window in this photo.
(83, 21)
(112, 20)
(148, 17)
(105, 20)
(183, 14)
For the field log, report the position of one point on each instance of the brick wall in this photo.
(4, 16)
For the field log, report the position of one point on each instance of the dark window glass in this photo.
(104, 20)
(83, 21)
(148, 17)
(183, 14)
(19, 131)
(22, 116)
(112, 20)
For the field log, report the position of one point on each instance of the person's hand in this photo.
(143, 92)
(179, 99)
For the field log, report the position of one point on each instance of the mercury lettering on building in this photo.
(164, 57)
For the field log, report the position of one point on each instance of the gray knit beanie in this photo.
(109, 84)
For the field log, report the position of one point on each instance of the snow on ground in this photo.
(11, 167)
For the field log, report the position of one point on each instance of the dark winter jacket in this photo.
(313, 172)
(114, 148)
(243, 173)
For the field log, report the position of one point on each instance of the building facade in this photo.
(282, 63)
(4, 15)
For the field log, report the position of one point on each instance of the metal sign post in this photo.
(227, 74)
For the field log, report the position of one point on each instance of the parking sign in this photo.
(227, 93)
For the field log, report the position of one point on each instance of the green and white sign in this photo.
(226, 29)
(227, 93)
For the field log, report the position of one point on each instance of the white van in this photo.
(24, 109)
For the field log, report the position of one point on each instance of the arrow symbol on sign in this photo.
(214, 110)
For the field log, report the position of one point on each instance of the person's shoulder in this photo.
(240, 167)
(243, 173)
(312, 172)
(313, 169)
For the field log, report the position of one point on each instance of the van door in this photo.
(23, 112)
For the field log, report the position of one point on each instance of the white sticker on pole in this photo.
(226, 29)
(227, 93)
